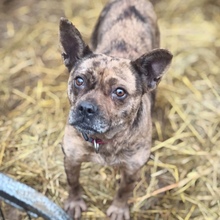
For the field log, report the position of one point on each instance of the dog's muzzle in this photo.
(86, 118)
(84, 113)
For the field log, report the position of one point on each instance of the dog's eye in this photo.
(120, 93)
(79, 81)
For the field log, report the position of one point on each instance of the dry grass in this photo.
(183, 174)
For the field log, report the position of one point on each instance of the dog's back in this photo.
(126, 29)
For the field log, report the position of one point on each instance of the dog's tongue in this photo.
(92, 140)
(95, 141)
(99, 141)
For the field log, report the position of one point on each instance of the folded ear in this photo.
(152, 66)
(72, 45)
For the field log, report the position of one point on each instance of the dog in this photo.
(111, 90)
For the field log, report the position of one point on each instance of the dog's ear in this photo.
(152, 66)
(72, 45)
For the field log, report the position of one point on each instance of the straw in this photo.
(181, 178)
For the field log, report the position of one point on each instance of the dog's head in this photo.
(105, 92)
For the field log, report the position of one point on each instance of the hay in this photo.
(183, 173)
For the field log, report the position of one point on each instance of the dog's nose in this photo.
(87, 108)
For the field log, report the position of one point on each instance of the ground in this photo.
(182, 178)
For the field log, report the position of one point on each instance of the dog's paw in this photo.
(74, 208)
(118, 212)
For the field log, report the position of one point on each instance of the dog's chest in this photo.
(107, 156)
(105, 160)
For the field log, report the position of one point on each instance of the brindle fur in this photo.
(122, 56)
(126, 29)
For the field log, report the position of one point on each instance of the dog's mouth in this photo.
(90, 127)
(84, 128)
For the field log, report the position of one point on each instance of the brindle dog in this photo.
(110, 90)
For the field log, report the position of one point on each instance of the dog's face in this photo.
(105, 92)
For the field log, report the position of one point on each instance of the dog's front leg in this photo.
(119, 209)
(74, 205)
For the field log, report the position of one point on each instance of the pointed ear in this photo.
(72, 45)
(152, 66)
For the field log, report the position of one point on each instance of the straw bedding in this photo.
(182, 178)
